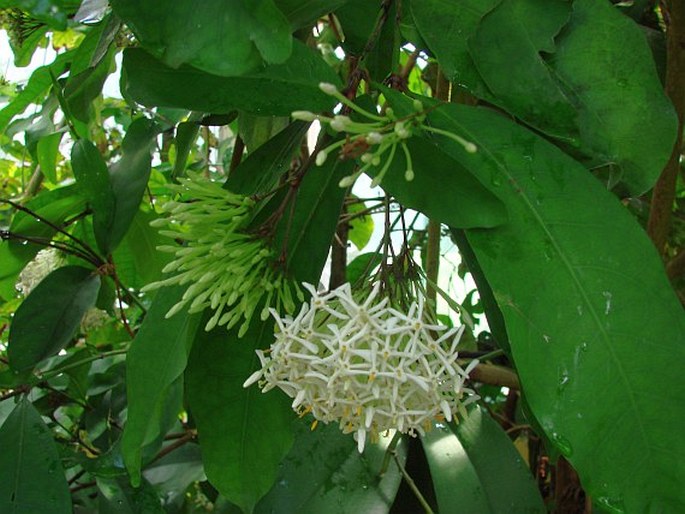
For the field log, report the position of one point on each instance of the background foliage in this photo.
(569, 218)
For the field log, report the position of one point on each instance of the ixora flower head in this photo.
(226, 269)
(376, 140)
(365, 365)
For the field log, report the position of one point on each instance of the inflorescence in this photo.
(227, 269)
(377, 138)
(366, 365)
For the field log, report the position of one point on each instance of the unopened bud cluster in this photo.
(366, 365)
(375, 141)
(226, 269)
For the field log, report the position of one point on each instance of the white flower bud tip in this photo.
(409, 175)
(374, 138)
(346, 181)
(340, 123)
(321, 157)
(328, 88)
(303, 115)
(470, 148)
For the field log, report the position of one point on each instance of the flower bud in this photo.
(328, 88)
(303, 115)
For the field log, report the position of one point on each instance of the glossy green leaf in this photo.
(31, 476)
(277, 90)
(243, 433)
(46, 321)
(576, 277)
(186, 135)
(224, 38)
(47, 151)
(325, 474)
(446, 26)
(92, 176)
(442, 188)
(54, 206)
(479, 469)
(302, 12)
(157, 357)
(37, 86)
(172, 474)
(601, 64)
(83, 88)
(361, 226)
(362, 266)
(129, 176)
(257, 130)
(507, 51)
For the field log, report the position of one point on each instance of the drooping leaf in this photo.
(54, 206)
(47, 151)
(576, 278)
(46, 321)
(446, 26)
(37, 86)
(243, 433)
(157, 357)
(92, 176)
(277, 90)
(31, 476)
(596, 86)
(506, 50)
(129, 176)
(324, 473)
(476, 468)
(222, 38)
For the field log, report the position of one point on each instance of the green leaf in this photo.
(172, 474)
(83, 88)
(301, 13)
(361, 227)
(507, 51)
(52, 12)
(576, 277)
(55, 206)
(129, 176)
(186, 135)
(92, 176)
(118, 497)
(446, 26)
(31, 476)
(602, 65)
(157, 357)
(46, 321)
(222, 38)
(243, 433)
(362, 265)
(37, 86)
(47, 151)
(277, 90)
(442, 189)
(257, 130)
(325, 474)
(479, 469)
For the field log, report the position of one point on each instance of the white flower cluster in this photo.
(366, 365)
(45, 262)
(227, 270)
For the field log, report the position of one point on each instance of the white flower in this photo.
(365, 365)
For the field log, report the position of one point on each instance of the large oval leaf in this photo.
(31, 476)
(157, 357)
(325, 474)
(475, 468)
(584, 294)
(277, 90)
(243, 433)
(46, 321)
(225, 38)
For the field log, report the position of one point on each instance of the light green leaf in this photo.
(46, 321)
(47, 151)
(37, 86)
(157, 357)
(224, 38)
(479, 469)
(243, 433)
(31, 475)
(325, 474)
(576, 277)
(276, 90)
(361, 227)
